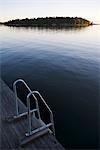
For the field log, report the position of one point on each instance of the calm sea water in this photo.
(64, 66)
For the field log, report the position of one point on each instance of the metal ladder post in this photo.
(18, 115)
(30, 132)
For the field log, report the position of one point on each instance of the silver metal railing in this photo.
(18, 115)
(28, 113)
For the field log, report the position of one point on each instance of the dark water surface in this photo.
(64, 66)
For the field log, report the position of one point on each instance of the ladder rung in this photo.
(24, 114)
(33, 137)
(39, 129)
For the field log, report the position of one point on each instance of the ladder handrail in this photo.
(21, 80)
(36, 92)
(28, 106)
(15, 91)
(50, 111)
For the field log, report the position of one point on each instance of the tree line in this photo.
(49, 22)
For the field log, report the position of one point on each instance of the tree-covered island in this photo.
(59, 22)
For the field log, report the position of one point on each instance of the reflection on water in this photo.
(63, 64)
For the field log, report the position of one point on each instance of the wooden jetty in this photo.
(12, 133)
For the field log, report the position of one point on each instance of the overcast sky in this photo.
(12, 9)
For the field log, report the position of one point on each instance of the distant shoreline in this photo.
(53, 22)
(96, 23)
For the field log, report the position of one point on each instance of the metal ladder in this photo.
(44, 126)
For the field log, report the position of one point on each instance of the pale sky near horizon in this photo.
(12, 9)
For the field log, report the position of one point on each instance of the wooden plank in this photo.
(13, 132)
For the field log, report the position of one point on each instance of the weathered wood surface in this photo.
(11, 133)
